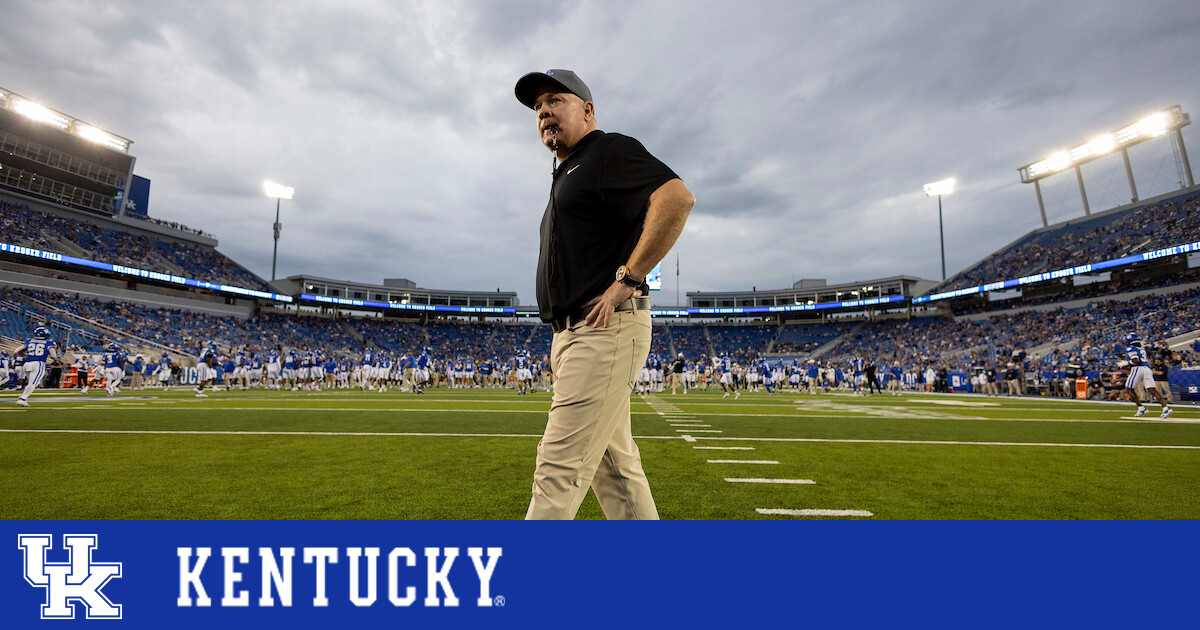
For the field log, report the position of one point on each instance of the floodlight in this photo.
(99, 136)
(40, 113)
(278, 191)
(1104, 144)
(1059, 161)
(1129, 134)
(1154, 126)
(1169, 120)
(939, 188)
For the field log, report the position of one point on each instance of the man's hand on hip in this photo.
(603, 306)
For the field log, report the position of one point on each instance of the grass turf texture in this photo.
(468, 454)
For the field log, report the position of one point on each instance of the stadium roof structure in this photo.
(878, 294)
(317, 291)
(1168, 121)
(934, 294)
(55, 157)
(53, 118)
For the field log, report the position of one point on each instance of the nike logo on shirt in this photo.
(573, 168)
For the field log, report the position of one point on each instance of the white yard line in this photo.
(292, 409)
(724, 448)
(812, 512)
(803, 482)
(958, 443)
(742, 461)
(685, 437)
(286, 433)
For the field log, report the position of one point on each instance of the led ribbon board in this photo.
(494, 310)
(1062, 273)
(30, 252)
(750, 310)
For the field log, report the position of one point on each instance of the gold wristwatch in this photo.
(624, 278)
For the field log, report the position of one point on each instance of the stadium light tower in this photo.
(1169, 121)
(278, 191)
(937, 189)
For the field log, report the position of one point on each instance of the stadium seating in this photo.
(1091, 334)
(744, 343)
(691, 340)
(23, 225)
(804, 338)
(1094, 239)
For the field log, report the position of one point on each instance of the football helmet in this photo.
(41, 332)
(1132, 339)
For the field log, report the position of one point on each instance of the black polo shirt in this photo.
(594, 219)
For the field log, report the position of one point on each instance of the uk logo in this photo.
(77, 581)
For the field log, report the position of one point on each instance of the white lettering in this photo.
(272, 575)
(276, 576)
(189, 578)
(321, 555)
(234, 597)
(484, 573)
(410, 593)
(441, 576)
(372, 559)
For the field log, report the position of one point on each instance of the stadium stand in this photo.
(691, 340)
(1103, 236)
(21, 224)
(804, 338)
(742, 342)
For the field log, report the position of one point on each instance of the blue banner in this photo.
(1188, 381)
(1062, 273)
(139, 197)
(749, 310)
(490, 310)
(30, 252)
(422, 574)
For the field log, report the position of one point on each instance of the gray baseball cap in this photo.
(529, 85)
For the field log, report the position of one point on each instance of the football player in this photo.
(1139, 373)
(37, 351)
(205, 364)
(114, 368)
(164, 371)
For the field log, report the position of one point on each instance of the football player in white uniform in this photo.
(114, 368)
(524, 376)
(164, 371)
(5, 367)
(724, 365)
(1140, 374)
(204, 367)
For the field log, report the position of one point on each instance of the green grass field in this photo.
(468, 454)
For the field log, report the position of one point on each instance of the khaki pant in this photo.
(589, 441)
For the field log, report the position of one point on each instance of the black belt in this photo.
(632, 304)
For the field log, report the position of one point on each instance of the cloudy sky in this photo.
(805, 129)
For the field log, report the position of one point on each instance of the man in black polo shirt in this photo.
(614, 212)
